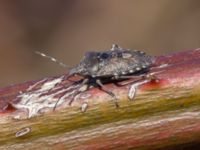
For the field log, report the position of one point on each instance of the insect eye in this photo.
(104, 56)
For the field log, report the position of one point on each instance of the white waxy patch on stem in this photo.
(132, 92)
(84, 107)
(34, 102)
(51, 93)
(50, 84)
(34, 85)
(134, 87)
(23, 132)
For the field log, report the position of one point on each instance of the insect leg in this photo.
(102, 87)
(129, 77)
(81, 89)
(150, 76)
(136, 83)
(76, 93)
(136, 78)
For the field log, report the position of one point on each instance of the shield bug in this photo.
(110, 65)
(114, 64)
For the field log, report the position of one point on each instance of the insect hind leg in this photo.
(135, 78)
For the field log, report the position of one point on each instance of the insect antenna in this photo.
(52, 59)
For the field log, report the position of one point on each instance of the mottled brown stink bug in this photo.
(111, 65)
(114, 64)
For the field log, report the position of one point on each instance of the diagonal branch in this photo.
(164, 113)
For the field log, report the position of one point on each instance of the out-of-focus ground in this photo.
(66, 29)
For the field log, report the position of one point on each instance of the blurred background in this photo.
(66, 29)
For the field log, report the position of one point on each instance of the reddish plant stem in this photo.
(158, 117)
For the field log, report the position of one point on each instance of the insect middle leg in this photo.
(102, 87)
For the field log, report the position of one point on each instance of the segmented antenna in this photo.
(51, 58)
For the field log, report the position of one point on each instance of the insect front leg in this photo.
(78, 91)
(81, 89)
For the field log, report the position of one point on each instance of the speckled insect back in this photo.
(114, 62)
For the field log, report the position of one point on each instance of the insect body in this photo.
(114, 64)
